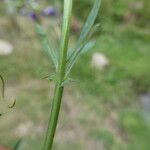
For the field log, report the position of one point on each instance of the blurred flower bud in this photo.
(49, 11)
(33, 16)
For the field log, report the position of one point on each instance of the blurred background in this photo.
(108, 106)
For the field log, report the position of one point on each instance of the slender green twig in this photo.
(60, 76)
(3, 86)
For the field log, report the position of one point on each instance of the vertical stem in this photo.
(60, 76)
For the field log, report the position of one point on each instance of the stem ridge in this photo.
(56, 103)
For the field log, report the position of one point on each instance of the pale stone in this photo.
(100, 61)
(5, 48)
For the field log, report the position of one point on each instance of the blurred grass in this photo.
(102, 109)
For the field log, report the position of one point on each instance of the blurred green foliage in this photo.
(117, 10)
(102, 108)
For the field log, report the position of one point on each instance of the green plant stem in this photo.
(53, 117)
(60, 76)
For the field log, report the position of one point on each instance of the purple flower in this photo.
(33, 16)
(49, 11)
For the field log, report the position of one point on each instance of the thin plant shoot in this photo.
(65, 60)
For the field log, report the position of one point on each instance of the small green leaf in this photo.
(73, 59)
(71, 53)
(17, 145)
(94, 29)
(51, 77)
(84, 48)
(50, 51)
(88, 47)
(40, 31)
(66, 82)
(90, 22)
